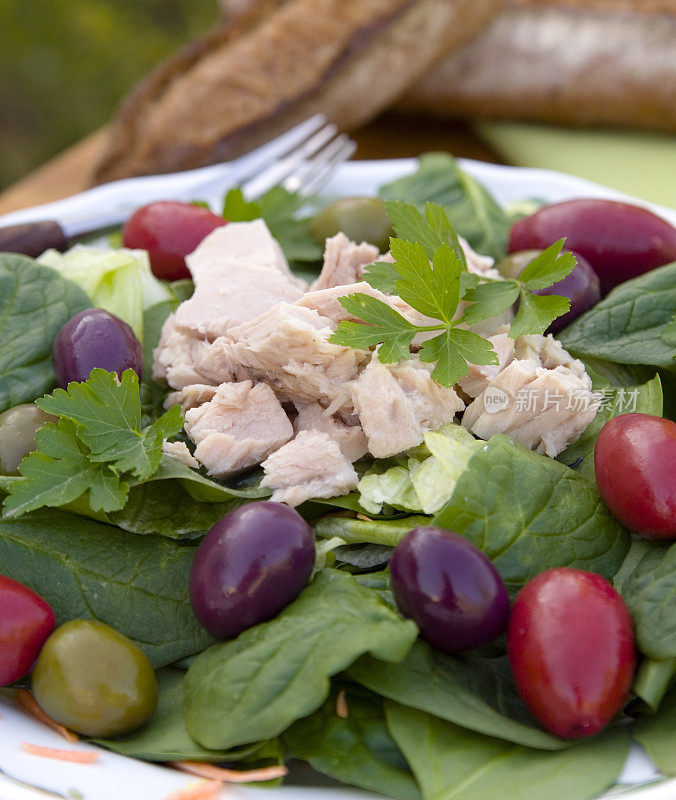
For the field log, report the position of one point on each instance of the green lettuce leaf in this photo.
(120, 281)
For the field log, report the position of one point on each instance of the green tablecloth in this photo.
(642, 164)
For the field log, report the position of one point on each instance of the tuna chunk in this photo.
(478, 264)
(288, 348)
(350, 438)
(548, 352)
(238, 428)
(310, 466)
(344, 261)
(191, 396)
(239, 272)
(480, 376)
(398, 403)
(176, 357)
(544, 409)
(180, 452)
(245, 243)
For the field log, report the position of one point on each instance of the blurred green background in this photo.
(65, 65)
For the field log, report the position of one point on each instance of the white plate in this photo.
(113, 776)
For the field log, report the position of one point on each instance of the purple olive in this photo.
(449, 588)
(95, 338)
(619, 240)
(250, 565)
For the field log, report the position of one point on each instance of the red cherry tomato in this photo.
(26, 620)
(571, 646)
(619, 240)
(169, 231)
(635, 461)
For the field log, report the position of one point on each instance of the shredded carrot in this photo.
(231, 775)
(204, 790)
(74, 756)
(342, 710)
(29, 704)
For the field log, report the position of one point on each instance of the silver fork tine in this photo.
(291, 163)
(319, 169)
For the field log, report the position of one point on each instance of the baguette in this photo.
(274, 63)
(579, 62)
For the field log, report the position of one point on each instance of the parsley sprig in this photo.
(97, 446)
(430, 273)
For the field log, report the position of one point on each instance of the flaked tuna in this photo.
(480, 375)
(310, 466)
(398, 403)
(344, 261)
(350, 438)
(238, 428)
(177, 355)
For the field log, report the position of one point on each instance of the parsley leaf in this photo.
(537, 312)
(59, 471)
(454, 350)
(548, 268)
(107, 416)
(430, 274)
(279, 208)
(384, 325)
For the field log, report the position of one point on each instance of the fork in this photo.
(300, 160)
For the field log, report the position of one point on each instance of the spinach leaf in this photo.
(625, 326)
(360, 531)
(363, 556)
(35, 302)
(164, 737)
(657, 733)
(470, 208)
(652, 680)
(646, 399)
(650, 594)
(475, 693)
(85, 569)
(358, 749)
(451, 762)
(529, 513)
(255, 686)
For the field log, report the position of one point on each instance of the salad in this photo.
(107, 519)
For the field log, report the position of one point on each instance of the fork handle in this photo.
(33, 238)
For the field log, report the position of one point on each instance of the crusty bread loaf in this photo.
(584, 62)
(276, 62)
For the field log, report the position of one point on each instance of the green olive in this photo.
(18, 426)
(362, 219)
(515, 263)
(94, 680)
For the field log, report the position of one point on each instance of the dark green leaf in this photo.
(529, 513)
(471, 210)
(357, 750)
(451, 762)
(657, 734)
(650, 594)
(489, 299)
(537, 312)
(625, 327)
(35, 303)
(85, 569)
(164, 737)
(668, 335)
(475, 693)
(255, 686)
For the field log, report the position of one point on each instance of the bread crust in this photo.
(581, 62)
(275, 63)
